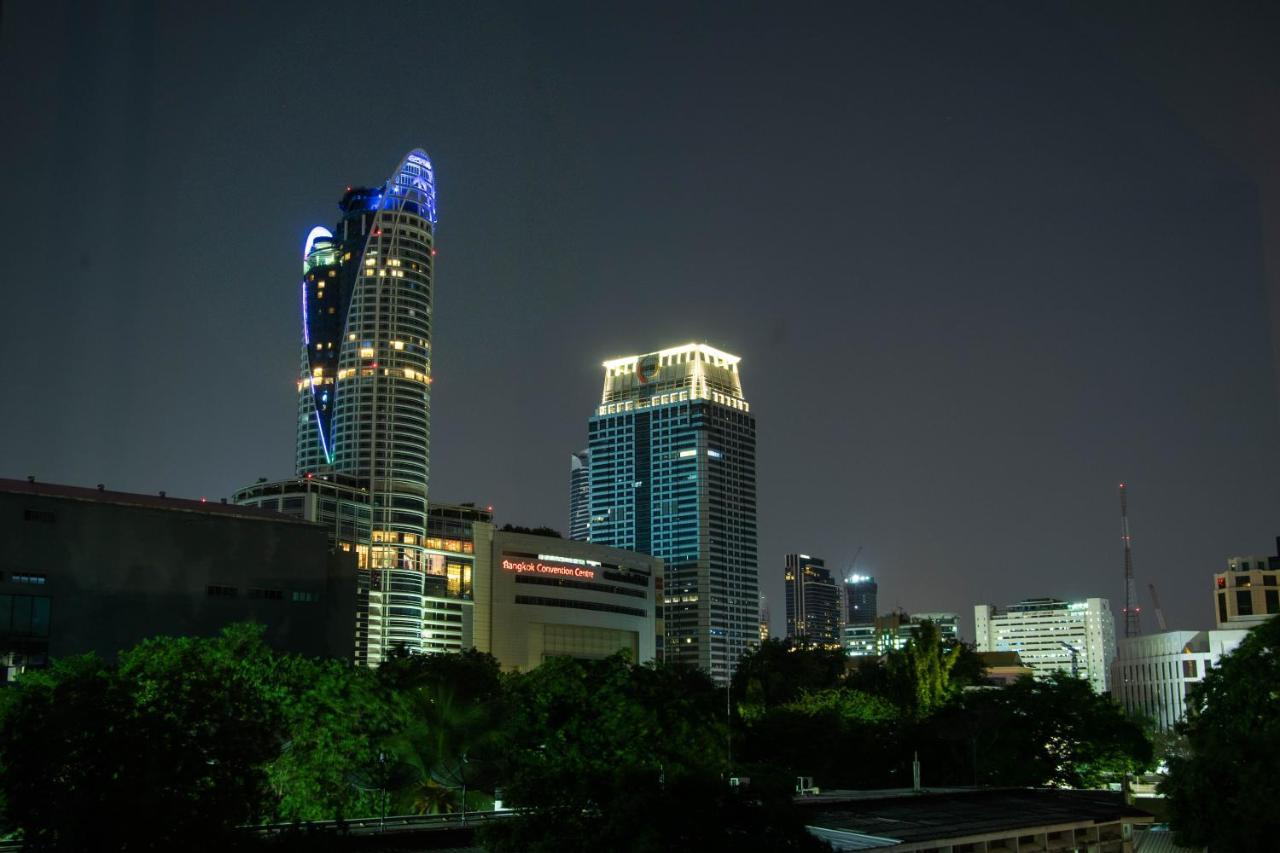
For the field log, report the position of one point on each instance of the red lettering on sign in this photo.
(538, 567)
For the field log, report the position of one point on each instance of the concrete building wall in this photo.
(118, 568)
(1153, 674)
(538, 597)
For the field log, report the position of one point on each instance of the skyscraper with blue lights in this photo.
(364, 398)
(672, 455)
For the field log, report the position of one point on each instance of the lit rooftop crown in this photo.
(689, 372)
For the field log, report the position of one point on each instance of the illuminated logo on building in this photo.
(647, 369)
(523, 565)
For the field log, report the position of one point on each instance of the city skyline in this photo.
(968, 316)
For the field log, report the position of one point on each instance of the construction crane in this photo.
(853, 564)
(1132, 613)
(1155, 600)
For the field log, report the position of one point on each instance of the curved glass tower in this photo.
(364, 393)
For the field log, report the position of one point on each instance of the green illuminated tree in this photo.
(919, 675)
(449, 744)
(339, 722)
(165, 751)
(1222, 790)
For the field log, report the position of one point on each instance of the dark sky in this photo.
(981, 262)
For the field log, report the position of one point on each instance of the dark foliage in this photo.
(166, 751)
(533, 531)
(1222, 790)
(777, 672)
(608, 755)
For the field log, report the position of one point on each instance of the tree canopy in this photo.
(205, 735)
(1223, 787)
(168, 749)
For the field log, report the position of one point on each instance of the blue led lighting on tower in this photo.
(364, 392)
(673, 474)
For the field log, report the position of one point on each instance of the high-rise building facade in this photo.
(813, 602)
(1078, 637)
(364, 397)
(860, 600)
(673, 474)
(580, 495)
(1248, 592)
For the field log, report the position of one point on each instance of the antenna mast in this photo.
(1132, 624)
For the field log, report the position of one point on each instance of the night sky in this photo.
(981, 262)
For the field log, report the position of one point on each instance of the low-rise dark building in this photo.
(91, 570)
(974, 819)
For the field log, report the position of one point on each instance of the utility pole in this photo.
(1132, 622)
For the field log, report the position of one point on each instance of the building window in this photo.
(38, 515)
(1244, 603)
(268, 594)
(1268, 580)
(304, 597)
(1222, 607)
(215, 591)
(1244, 580)
(1273, 601)
(1189, 669)
(24, 615)
(39, 580)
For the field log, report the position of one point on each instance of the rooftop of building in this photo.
(713, 354)
(1033, 605)
(905, 816)
(1251, 563)
(103, 495)
(999, 659)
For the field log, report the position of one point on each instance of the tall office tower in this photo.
(580, 495)
(1050, 636)
(860, 600)
(364, 396)
(813, 602)
(764, 618)
(673, 474)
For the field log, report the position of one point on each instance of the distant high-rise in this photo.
(580, 495)
(860, 600)
(1078, 638)
(364, 397)
(893, 631)
(1247, 593)
(813, 602)
(673, 474)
